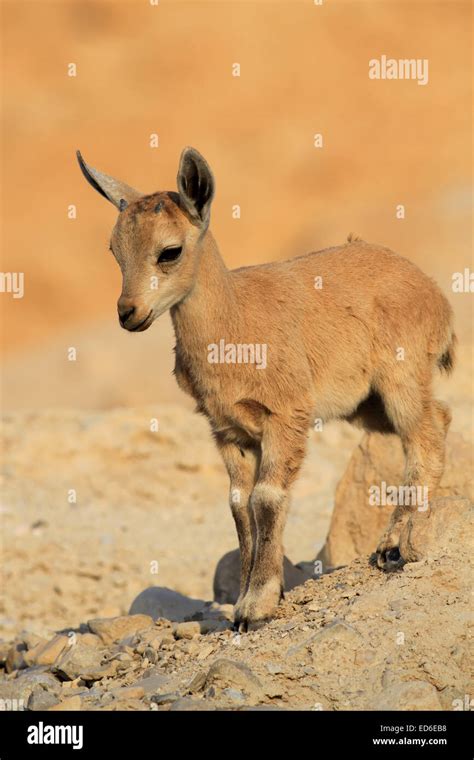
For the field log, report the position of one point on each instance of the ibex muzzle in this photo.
(353, 332)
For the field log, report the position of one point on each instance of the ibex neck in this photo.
(202, 314)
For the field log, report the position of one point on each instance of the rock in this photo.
(70, 703)
(409, 695)
(128, 692)
(197, 683)
(157, 640)
(91, 640)
(226, 584)
(31, 640)
(153, 681)
(235, 695)
(48, 652)
(187, 630)
(190, 647)
(223, 673)
(83, 662)
(160, 602)
(151, 655)
(356, 524)
(20, 689)
(42, 700)
(437, 531)
(110, 630)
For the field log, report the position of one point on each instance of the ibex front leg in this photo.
(282, 454)
(242, 467)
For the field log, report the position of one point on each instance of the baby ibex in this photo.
(352, 332)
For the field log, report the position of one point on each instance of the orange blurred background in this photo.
(167, 69)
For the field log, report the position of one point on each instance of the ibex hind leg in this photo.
(421, 422)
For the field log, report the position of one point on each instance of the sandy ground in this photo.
(91, 501)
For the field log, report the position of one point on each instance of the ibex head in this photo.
(156, 239)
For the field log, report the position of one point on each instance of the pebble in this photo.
(205, 652)
(187, 630)
(150, 655)
(128, 692)
(234, 694)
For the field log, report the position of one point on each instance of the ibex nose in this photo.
(125, 310)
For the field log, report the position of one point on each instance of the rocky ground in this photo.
(112, 531)
(353, 639)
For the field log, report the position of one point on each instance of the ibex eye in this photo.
(169, 254)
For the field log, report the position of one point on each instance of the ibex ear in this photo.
(115, 191)
(195, 185)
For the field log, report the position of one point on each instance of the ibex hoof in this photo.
(389, 559)
(256, 608)
(245, 626)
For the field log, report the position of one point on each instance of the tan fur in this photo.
(333, 352)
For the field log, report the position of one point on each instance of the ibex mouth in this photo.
(144, 324)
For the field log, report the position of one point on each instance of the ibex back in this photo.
(352, 332)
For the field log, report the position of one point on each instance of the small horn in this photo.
(114, 190)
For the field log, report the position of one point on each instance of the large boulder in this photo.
(356, 523)
(440, 530)
(162, 602)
